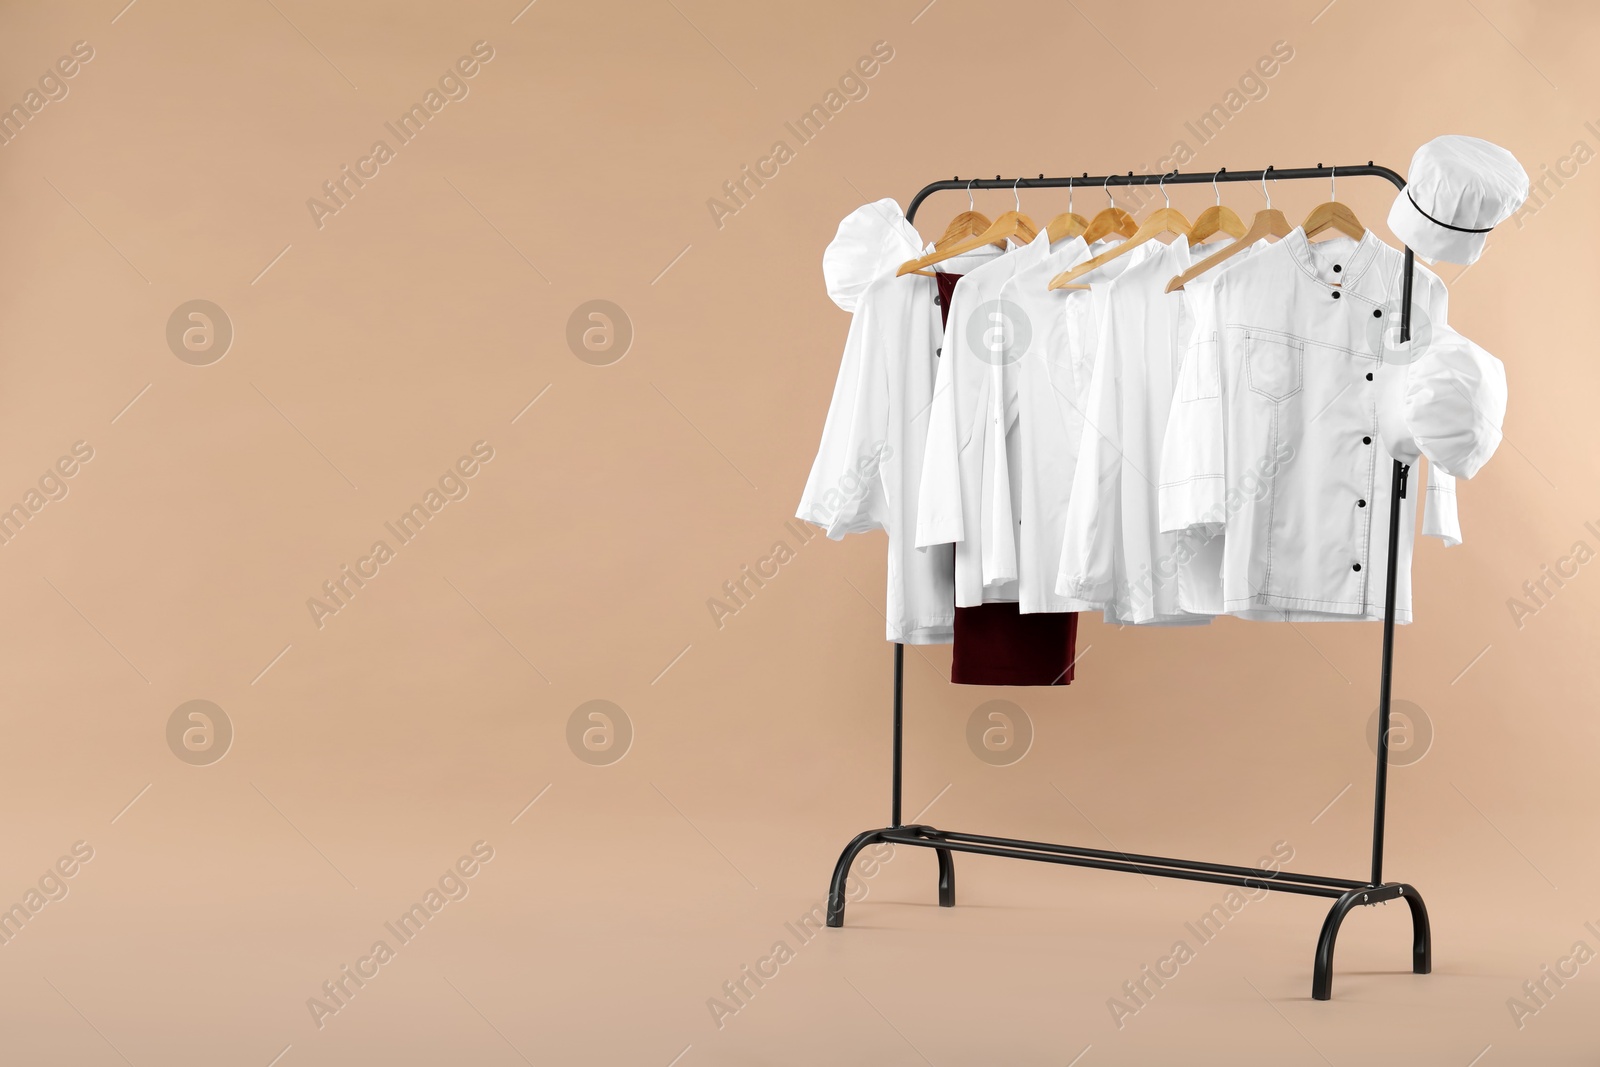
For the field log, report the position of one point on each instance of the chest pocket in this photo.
(1274, 364)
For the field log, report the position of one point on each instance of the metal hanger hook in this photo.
(1163, 187)
(970, 205)
(1109, 198)
(1264, 191)
(1333, 183)
(1069, 196)
(1214, 190)
(1016, 195)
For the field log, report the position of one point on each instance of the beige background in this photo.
(432, 310)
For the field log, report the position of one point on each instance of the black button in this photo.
(1377, 314)
(1337, 268)
(937, 352)
(1336, 294)
(1361, 503)
(1369, 376)
(1366, 440)
(1355, 566)
(938, 301)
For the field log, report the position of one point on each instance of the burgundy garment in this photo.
(995, 644)
(947, 288)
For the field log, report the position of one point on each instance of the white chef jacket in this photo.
(869, 465)
(1275, 435)
(1114, 551)
(1006, 422)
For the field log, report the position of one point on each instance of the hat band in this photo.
(1438, 222)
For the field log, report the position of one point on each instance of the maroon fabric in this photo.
(995, 644)
(947, 288)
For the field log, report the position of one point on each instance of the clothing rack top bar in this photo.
(1102, 181)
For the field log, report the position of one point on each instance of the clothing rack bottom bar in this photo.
(1247, 876)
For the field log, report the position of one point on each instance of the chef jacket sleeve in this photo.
(1192, 478)
(843, 493)
(1439, 516)
(1455, 402)
(1453, 406)
(1087, 570)
(939, 512)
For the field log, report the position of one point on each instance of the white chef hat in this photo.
(871, 239)
(1455, 403)
(1459, 189)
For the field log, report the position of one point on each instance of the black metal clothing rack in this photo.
(1346, 893)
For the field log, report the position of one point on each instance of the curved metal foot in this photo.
(841, 870)
(841, 874)
(947, 878)
(1421, 934)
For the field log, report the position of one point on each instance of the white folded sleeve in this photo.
(1088, 569)
(1192, 484)
(1455, 403)
(842, 493)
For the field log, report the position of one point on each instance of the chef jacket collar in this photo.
(1065, 254)
(1355, 264)
(1177, 254)
(1039, 254)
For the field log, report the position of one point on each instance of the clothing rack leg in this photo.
(1397, 493)
(947, 864)
(1376, 891)
(899, 730)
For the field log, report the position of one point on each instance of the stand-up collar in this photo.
(1351, 267)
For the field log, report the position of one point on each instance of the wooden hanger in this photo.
(969, 223)
(1112, 220)
(1162, 220)
(966, 224)
(1067, 224)
(1269, 222)
(1216, 219)
(1010, 224)
(1333, 215)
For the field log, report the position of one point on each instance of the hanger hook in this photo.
(1163, 186)
(1069, 196)
(970, 204)
(1109, 198)
(1333, 183)
(1016, 195)
(1215, 191)
(1264, 191)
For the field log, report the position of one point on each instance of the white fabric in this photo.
(869, 464)
(1463, 182)
(1275, 433)
(1114, 552)
(843, 494)
(872, 239)
(1455, 403)
(1006, 423)
(1450, 410)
